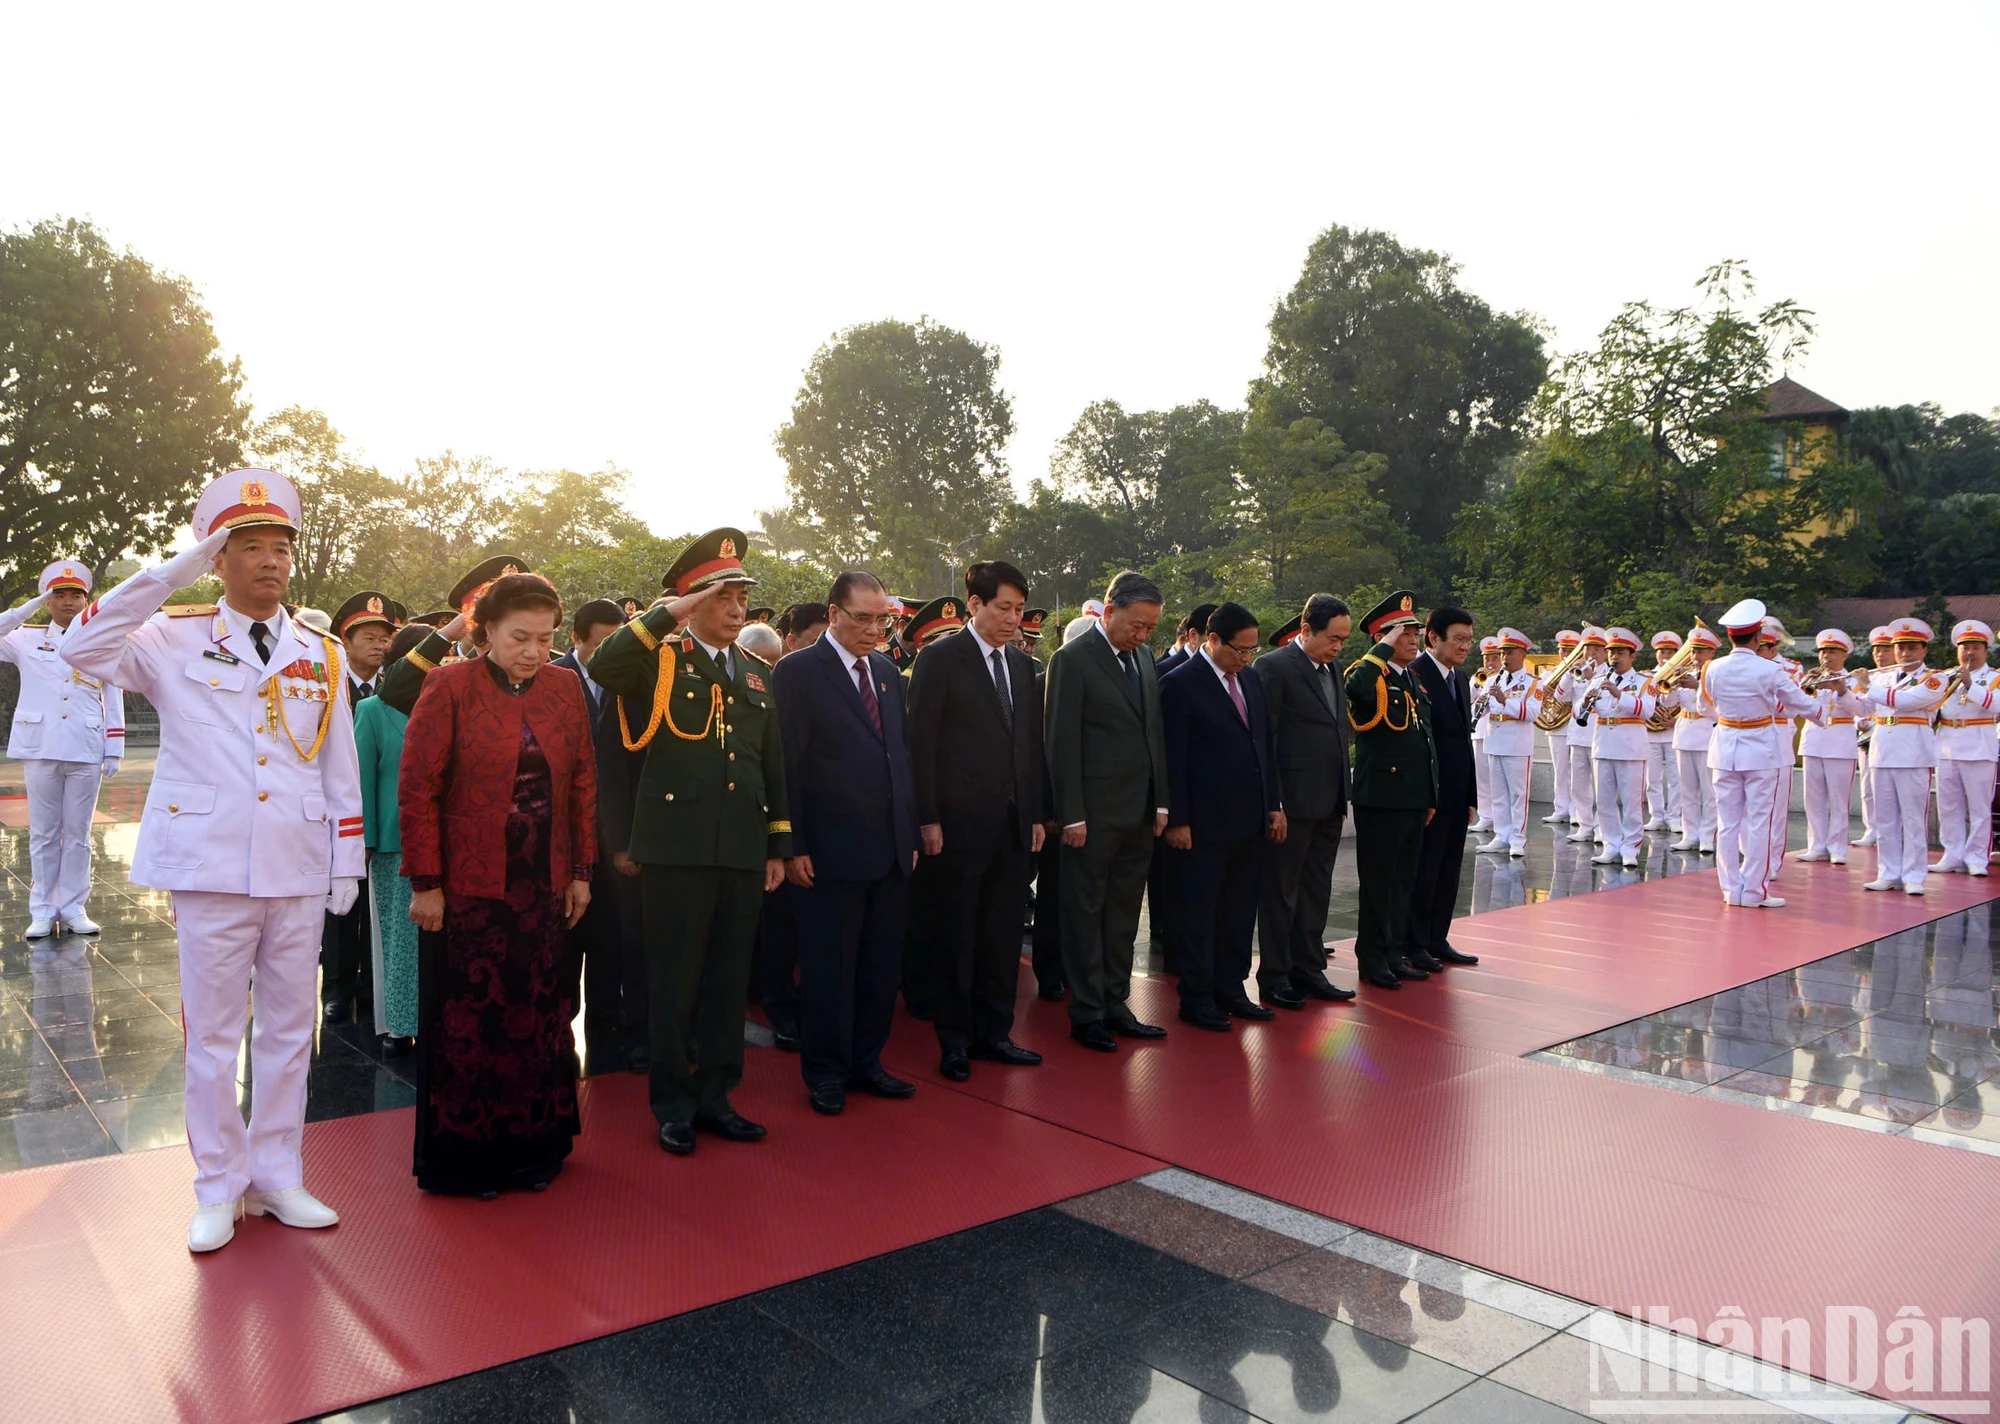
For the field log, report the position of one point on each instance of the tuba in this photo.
(1555, 712)
(1665, 676)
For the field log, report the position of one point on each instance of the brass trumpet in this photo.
(1554, 715)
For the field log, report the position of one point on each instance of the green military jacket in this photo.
(1395, 759)
(712, 790)
(403, 680)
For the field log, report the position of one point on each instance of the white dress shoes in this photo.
(1493, 847)
(1578, 835)
(1948, 867)
(1518, 851)
(1914, 887)
(1631, 862)
(1558, 818)
(1867, 838)
(1605, 857)
(1977, 872)
(1731, 897)
(1810, 854)
(1879, 884)
(1836, 860)
(1769, 902)
(294, 1206)
(1682, 844)
(214, 1226)
(41, 927)
(81, 924)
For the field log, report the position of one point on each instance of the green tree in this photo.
(1068, 548)
(1379, 342)
(450, 513)
(895, 451)
(116, 405)
(1307, 518)
(551, 513)
(347, 508)
(1164, 478)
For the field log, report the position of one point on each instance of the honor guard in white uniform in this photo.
(69, 733)
(1513, 699)
(1770, 645)
(1827, 750)
(1694, 725)
(1882, 648)
(1754, 701)
(1901, 753)
(1620, 704)
(1966, 751)
(1575, 689)
(1567, 639)
(1482, 774)
(253, 822)
(1663, 801)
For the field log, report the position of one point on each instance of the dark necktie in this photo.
(261, 636)
(1132, 676)
(362, 691)
(1236, 696)
(867, 688)
(1000, 686)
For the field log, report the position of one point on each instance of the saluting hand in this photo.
(679, 608)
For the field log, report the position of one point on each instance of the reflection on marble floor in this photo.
(1901, 1036)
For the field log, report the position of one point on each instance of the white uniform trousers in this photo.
(1559, 775)
(1662, 783)
(1965, 812)
(1482, 781)
(1743, 801)
(1902, 823)
(1829, 792)
(61, 797)
(1582, 786)
(1781, 819)
(1620, 809)
(1862, 770)
(1510, 799)
(1697, 797)
(230, 944)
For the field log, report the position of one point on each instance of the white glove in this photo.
(190, 565)
(341, 895)
(109, 769)
(12, 618)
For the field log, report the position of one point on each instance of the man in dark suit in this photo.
(599, 958)
(1187, 638)
(1162, 903)
(1434, 897)
(1395, 786)
(1308, 708)
(1222, 811)
(1108, 772)
(854, 841)
(364, 624)
(976, 743)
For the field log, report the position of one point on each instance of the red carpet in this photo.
(105, 1316)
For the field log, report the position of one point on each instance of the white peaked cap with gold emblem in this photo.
(64, 573)
(245, 497)
(1744, 617)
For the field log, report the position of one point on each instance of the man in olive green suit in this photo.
(1395, 787)
(710, 832)
(1107, 760)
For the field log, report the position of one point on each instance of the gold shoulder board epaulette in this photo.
(752, 656)
(188, 610)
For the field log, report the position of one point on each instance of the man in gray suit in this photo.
(1308, 710)
(1107, 760)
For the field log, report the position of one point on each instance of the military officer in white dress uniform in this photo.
(69, 733)
(1575, 690)
(253, 822)
(1663, 800)
(1770, 646)
(1827, 751)
(1901, 753)
(1482, 774)
(1966, 752)
(1882, 648)
(1754, 701)
(1620, 703)
(1567, 639)
(1694, 724)
(1513, 698)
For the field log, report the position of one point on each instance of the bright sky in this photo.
(579, 234)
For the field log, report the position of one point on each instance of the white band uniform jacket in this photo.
(1513, 701)
(1833, 735)
(1694, 719)
(1966, 719)
(1903, 703)
(1618, 716)
(62, 714)
(235, 806)
(1753, 700)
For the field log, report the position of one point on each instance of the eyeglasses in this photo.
(1241, 651)
(870, 620)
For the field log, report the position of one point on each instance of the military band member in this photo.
(1694, 726)
(68, 735)
(1395, 787)
(1966, 752)
(1560, 815)
(1754, 701)
(1882, 650)
(710, 829)
(1827, 751)
(1902, 751)
(253, 822)
(1770, 645)
(1620, 704)
(403, 679)
(1489, 664)
(1575, 689)
(1513, 699)
(1662, 775)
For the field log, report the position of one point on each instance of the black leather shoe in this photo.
(1005, 1050)
(677, 1137)
(785, 1039)
(395, 1047)
(1284, 997)
(1412, 971)
(1383, 979)
(1054, 993)
(1452, 956)
(1323, 989)
(955, 1065)
(1132, 1028)
(639, 1059)
(1205, 1016)
(339, 1011)
(1242, 1008)
(729, 1125)
(827, 1099)
(884, 1085)
(1429, 963)
(1094, 1035)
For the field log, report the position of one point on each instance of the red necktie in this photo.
(868, 695)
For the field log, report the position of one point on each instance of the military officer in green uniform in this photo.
(1395, 784)
(710, 830)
